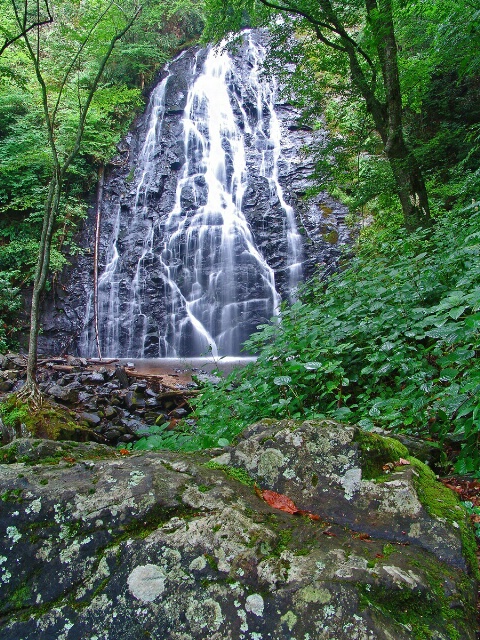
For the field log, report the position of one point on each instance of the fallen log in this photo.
(174, 393)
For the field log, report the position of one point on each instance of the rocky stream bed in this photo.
(111, 403)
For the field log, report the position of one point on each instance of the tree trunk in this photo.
(410, 186)
(30, 391)
(407, 174)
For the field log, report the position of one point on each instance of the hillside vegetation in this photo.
(392, 340)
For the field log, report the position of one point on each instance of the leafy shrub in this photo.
(392, 341)
(10, 303)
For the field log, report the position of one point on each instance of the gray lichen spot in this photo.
(198, 564)
(225, 458)
(35, 506)
(399, 497)
(135, 478)
(147, 582)
(294, 438)
(310, 594)
(269, 464)
(14, 534)
(254, 604)
(401, 577)
(351, 482)
(204, 614)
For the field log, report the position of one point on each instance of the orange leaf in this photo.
(68, 459)
(124, 452)
(329, 533)
(282, 502)
(365, 536)
(309, 514)
(279, 501)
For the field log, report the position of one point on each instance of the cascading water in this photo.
(200, 260)
(271, 134)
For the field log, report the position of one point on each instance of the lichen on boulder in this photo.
(170, 545)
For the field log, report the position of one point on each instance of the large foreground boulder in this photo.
(181, 546)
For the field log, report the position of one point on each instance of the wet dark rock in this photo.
(127, 438)
(150, 417)
(180, 412)
(64, 394)
(93, 419)
(113, 435)
(181, 546)
(134, 426)
(134, 400)
(110, 412)
(138, 386)
(6, 385)
(96, 377)
(85, 396)
(122, 377)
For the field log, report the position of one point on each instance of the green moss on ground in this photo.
(240, 475)
(421, 611)
(47, 421)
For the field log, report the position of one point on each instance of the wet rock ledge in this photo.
(98, 545)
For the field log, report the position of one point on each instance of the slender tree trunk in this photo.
(30, 389)
(410, 186)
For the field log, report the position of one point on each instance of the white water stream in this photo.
(213, 275)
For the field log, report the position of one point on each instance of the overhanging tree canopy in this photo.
(361, 32)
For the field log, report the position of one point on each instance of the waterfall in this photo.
(193, 280)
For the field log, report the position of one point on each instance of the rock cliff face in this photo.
(204, 226)
(180, 546)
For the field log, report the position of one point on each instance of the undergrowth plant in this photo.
(393, 341)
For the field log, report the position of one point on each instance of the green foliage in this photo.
(161, 437)
(438, 60)
(392, 341)
(10, 303)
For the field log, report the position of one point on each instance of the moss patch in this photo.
(240, 475)
(20, 596)
(440, 502)
(422, 611)
(48, 421)
(376, 451)
(52, 452)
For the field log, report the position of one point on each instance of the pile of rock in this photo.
(111, 399)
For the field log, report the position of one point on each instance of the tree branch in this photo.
(24, 28)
